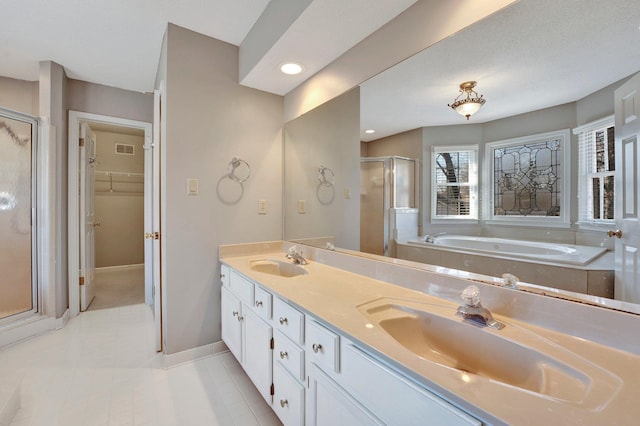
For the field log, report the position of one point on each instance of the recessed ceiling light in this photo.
(370, 131)
(291, 68)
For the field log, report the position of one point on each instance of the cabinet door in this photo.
(329, 404)
(231, 318)
(258, 353)
(288, 399)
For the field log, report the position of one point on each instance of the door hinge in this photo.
(272, 344)
(81, 280)
(81, 141)
(152, 235)
(273, 389)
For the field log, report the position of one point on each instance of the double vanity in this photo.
(346, 339)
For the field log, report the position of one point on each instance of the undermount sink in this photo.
(277, 267)
(513, 356)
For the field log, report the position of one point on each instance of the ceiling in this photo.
(528, 56)
(531, 55)
(99, 40)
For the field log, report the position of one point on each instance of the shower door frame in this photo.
(36, 196)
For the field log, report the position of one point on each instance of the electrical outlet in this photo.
(262, 206)
(302, 206)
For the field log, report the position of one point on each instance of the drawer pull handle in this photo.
(283, 355)
(284, 403)
(258, 303)
(235, 313)
(317, 347)
(283, 320)
(240, 318)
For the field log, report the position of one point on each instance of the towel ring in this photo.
(326, 176)
(233, 165)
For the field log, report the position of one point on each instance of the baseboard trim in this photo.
(120, 267)
(63, 320)
(178, 358)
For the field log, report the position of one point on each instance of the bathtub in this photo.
(537, 251)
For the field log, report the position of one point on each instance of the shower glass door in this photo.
(18, 289)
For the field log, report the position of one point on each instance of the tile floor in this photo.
(102, 369)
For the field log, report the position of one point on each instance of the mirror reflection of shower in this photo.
(388, 202)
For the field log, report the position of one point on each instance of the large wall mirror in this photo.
(545, 68)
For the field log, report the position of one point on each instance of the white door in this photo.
(627, 247)
(154, 216)
(87, 216)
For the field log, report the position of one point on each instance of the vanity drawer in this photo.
(241, 287)
(288, 397)
(262, 303)
(288, 320)
(323, 346)
(371, 383)
(290, 355)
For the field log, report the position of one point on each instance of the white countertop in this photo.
(333, 296)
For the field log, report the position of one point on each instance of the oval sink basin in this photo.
(513, 356)
(277, 267)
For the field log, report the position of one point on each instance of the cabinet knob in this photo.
(240, 318)
(258, 303)
(284, 403)
(235, 313)
(317, 347)
(282, 320)
(222, 276)
(283, 355)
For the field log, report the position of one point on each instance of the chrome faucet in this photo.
(432, 238)
(472, 310)
(296, 256)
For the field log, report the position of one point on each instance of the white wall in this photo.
(210, 119)
(19, 95)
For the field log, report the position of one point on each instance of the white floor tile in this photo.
(102, 369)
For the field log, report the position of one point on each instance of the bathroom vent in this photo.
(125, 149)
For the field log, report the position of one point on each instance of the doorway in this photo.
(118, 216)
(125, 187)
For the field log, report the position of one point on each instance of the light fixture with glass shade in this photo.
(470, 104)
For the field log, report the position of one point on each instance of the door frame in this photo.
(73, 224)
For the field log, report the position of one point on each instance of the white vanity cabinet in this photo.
(246, 329)
(311, 374)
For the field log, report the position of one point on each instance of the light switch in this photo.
(347, 192)
(302, 206)
(262, 206)
(192, 186)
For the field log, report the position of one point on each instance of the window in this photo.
(596, 170)
(528, 180)
(454, 183)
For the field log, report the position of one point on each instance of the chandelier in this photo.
(470, 104)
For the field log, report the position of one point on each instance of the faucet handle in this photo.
(471, 296)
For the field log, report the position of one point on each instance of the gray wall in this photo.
(210, 119)
(327, 135)
(53, 99)
(19, 95)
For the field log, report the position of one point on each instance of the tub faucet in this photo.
(472, 310)
(510, 280)
(296, 256)
(432, 238)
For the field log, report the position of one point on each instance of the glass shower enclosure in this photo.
(18, 277)
(386, 185)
